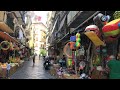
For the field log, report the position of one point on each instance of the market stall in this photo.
(87, 51)
(9, 51)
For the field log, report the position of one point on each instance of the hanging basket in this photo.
(5, 45)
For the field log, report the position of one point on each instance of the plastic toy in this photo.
(72, 47)
(73, 38)
(112, 28)
(78, 40)
(92, 28)
(94, 38)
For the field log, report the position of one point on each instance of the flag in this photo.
(37, 18)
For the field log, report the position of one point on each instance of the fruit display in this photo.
(14, 59)
(12, 64)
(4, 65)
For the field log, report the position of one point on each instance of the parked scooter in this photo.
(47, 64)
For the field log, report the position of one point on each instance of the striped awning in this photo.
(4, 27)
(7, 37)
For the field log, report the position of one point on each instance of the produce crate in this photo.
(13, 70)
(3, 73)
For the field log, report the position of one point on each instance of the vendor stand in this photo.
(9, 49)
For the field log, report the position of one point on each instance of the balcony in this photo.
(20, 16)
(5, 23)
(9, 22)
(78, 18)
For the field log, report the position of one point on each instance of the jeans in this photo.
(8, 73)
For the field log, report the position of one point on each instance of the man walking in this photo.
(34, 59)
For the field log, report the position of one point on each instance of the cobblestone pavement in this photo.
(28, 71)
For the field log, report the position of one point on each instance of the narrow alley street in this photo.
(28, 71)
(74, 44)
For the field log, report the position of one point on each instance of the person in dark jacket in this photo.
(34, 59)
(64, 61)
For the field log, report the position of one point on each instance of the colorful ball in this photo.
(77, 44)
(78, 39)
(111, 28)
(77, 35)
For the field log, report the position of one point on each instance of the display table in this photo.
(14, 67)
(53, 71)
(3, 71)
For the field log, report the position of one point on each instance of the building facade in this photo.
(66, 23)
(39, 33)
(12, 22)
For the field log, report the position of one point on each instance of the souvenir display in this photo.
(112, 28)
(78, 40)
(94, 38)
(73, 38)
(5, 45)
(93, 28)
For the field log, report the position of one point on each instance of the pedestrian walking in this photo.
(34, 59)
(39, 56)
(64, 61)
(8, 69)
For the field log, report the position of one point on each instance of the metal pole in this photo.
(75, 56)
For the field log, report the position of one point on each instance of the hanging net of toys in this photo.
(5, 45)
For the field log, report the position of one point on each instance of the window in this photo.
(36, 38)
(41, 46)
(36, 45)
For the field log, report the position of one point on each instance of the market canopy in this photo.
(5, 28)
(7, 37)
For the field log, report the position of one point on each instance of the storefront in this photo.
(9, 52)
(97, 43)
